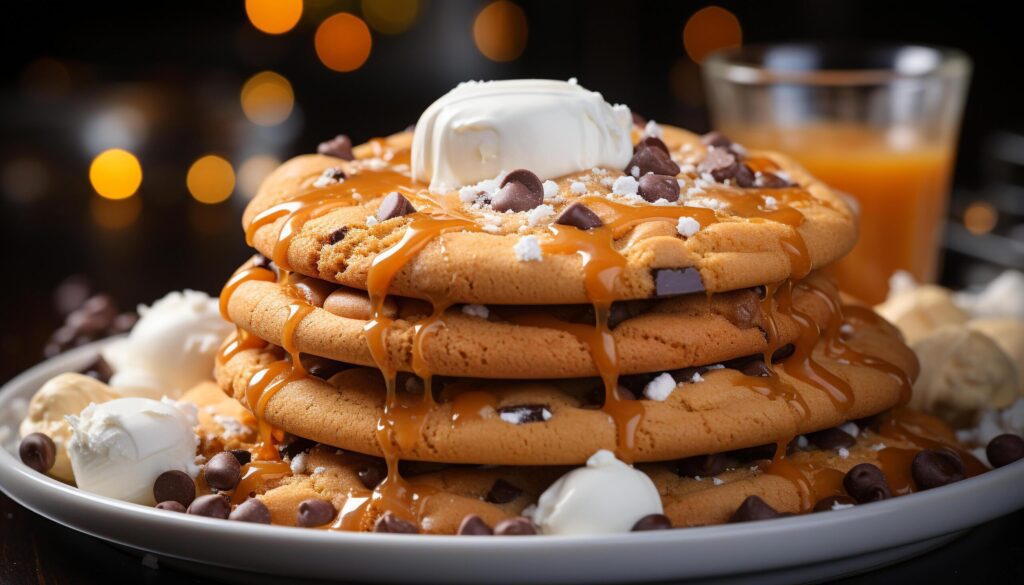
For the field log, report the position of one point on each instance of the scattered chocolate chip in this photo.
(96, 317)
(654, 187)
(744, 177)
(502, 492)
(473, 525)
(745, 312)
(755, 367)
(752, 509)
(314, 512)
(521, 414)
(339, 147)
(222, 471)
(1004, 450)
(652, 142)
(866, 483)
(721, 163)
(765, 180)
(337, 235)
(371, 476)
(783, 352)
(171, 506)
(38, 452)
(527, 178)
(100, 370)
(394, 205)
(652, 522)
(518, 526)
(677, 281)
(251, 510)
(936, 468)
(175, 486)
(651, 159)
(826, 504)
(716, 139)
(243, 456)
(872, 422)
(620, 311)
(831, 439)
(579, 216)
(388, 522)
(595, 398)
(211, 506)
(755, 453)
(520, 190)
(319, 367)
(700, 466)
(294, 447)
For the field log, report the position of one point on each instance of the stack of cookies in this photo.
(424, 359)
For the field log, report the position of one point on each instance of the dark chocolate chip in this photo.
(677, 281)
(866, 483)
(38, 452)
(579, 216)
(388, 522)
(620, 311)
(339, 147)
(502, 492)
(394, 205)
(652, 142)
(1004, 450)
(473, 525)
(744, 177)
(652, 522)
(721, 163)
(251, 510)
(171, 506)
(596, 396)
(241, 455)
(755, 453)
(337, 235)
(517, 526)
(174, 485)
(314, 512)
(765, 180)
(831, 439)
(654, 187)
(752, 509)
(99, 370)
(872, 422)
(745, 312)
(520, 190)
(936, 468)
(651, 159)
(716, 139)
(222, 471)
(524, 413)
(319, 367)
(700, 466)
(211, 506)
(371, 476)
(826, 504)
(783, 352)
(527, 178)
(294, 447)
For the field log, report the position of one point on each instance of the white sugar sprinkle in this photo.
(578, 188)
(850, 428)
(550, 189)
(625, 185)
(319, 469)
(843, 452)
(660, 387)
(802, 442)
(231, 425)
(770, 202)
(687, 226)
(696, 378)
(878, 446)
(371, 221)
(653, 129)
(608, 182)
(841, 506)
(539, 214)
(716, 481)
(298, 464)
(527, 249)
(476, 311)
(517, 416)
(635, 171)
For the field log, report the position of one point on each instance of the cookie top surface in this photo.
(597, 235)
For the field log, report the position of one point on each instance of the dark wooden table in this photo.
(37, 551)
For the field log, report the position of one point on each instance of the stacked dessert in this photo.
(535, 313)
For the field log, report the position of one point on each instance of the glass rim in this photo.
(741, 64)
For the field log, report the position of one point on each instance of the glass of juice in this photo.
(878, 123)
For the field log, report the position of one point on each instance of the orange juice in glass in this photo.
(878, 123)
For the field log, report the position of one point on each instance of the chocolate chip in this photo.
(99, 370)
(319, 367)
(620, 311)
(866, 483)
(176, 486)
(579, 216)
(721, 163)
(872, 422)
(1004, 450)
(473, 525)
(652, 142)
(502, 492)
(171, 506)
(826, 504)
(222, 471)
(520, 190)
(394, 525)
(744, 177)
(596, 396)
(339, 147)
(394, 205)
(783, 352)
(243, 456)
(755, 453)
(652, 522)
(314, 512)
(251, 510)
(677, 281)
(294, 447)
(523, 413)
(936, 468)
(752, 509)
(831, 439)
(337, 235)
(716, 139)
(654, 187)
(765, 180)
(517, 526)
(371, 476)
(700, 466)
(38, 452)
(651, 159)
(745, 312)
(755, 367)
(211, 506)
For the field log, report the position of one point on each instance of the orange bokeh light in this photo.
(500, 31)
(343, 42)
(210, 179)
(980, 218)
(115, 174)
(274, 17)
(267, 99)
(711, 29)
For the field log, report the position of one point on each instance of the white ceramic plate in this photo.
(797, 549)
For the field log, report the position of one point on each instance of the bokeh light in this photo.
(46, 77)
(253, 171)
(390, 17)
(980, 217)
(115, 214)
(24, 180)
(500, 31)
(343, 42)
(267, 99)
(210, 179)
(115, 174)
(710, 29)
(274, 17)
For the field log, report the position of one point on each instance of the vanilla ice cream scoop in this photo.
(118, 448)
(1009, 335)
(552, 128)
(62, 395)
(170, 349)
(918, 310)
(605, 496)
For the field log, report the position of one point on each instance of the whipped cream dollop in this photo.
(605, 496)
(553, 128)
(170, 349)
(118, 448)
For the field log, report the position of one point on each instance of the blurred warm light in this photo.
(390, 17)
(343, 42)
(253, 171)
(115, 174)
(267, 99)
(980, 217)
(710, 29)
(115, 214)
(46, 77)
(685, 83)
(210, 179)
(115, 126)
(24, 180)
(274, 17)
(500, 31)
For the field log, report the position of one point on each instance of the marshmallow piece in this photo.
(1009, 336)
(917, 311)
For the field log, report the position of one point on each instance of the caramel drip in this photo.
(812, 481)
(254, 475)
(895, 464)
(237, 279)
(237, 342)
(927, 432)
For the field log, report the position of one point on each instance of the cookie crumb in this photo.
(660, 388)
